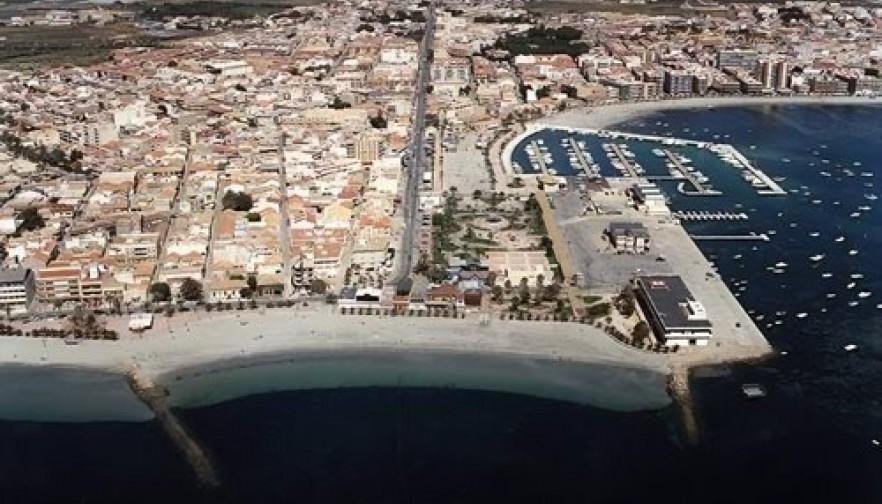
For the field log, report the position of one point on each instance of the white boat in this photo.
(856, 276)
(864, 294)
(814, 234)
(826, 275)
(853, 303)
(852, 252)
(802, 315)
(850, 285)
(831, 295)
(816, 257)
(816, 202)
(850, 348)
(825, 174)
(839, 239)
(781, 264)
(777, 271)
(855, 215)
(871, 197)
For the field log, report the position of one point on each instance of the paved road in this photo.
(416, 160)
(176, 211)
(284, 234)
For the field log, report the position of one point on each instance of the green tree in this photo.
(31, 219)
(160, 292)
(238, 201)
(640, 332)
(191, 289)
(378, 122)
(318, 286)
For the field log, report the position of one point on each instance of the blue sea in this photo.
(810, 440)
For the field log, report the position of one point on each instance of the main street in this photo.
(415, 159)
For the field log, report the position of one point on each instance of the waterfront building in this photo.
(16, 290)
(678, 82)
(673, 314)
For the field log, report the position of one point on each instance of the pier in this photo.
(539, 160)
(580, 156)
(678, 389)
(156, 398)
(747, 237)
(632, 172)
(690, 215)
(684, 171)
(769, 187)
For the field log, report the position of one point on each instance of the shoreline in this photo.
(220, 343)
(606, 116)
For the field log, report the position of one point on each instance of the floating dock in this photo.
(709, 216)
(539, 160)
(684, 171)
(632, 172)
(748, 237)
(580, 156)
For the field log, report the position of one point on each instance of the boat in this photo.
(814, 234)
(864, 294)
(871, 197)
(853, 303)
(852, 252)
(831, 295)
(839, 239)
(801, 315)
(781, 264)
(850, 285)
(855, 215)
(826, 275)
(850, 347)
(816, 257)
(753, 390)
(856, 276)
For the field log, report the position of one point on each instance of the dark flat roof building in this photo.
(674, 315)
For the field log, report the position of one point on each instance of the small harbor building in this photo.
(628, 237)
(675, 316)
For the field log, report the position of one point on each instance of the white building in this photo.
(16, 291)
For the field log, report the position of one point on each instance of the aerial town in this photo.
(360, 154)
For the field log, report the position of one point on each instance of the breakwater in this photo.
(155, 397)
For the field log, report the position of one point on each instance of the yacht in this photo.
(871, 197)
(826, 275)
(831, 295)
(839, 239)
(852, 252)
(814, 234)
(801, 315)
(864, 294)
(816, 257)
(850, 286)
(856, 276)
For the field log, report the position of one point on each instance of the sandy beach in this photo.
(608, 115)
(180, 343)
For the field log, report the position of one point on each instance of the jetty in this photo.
(690, 215)
(747, 237)
(688, 175)
(156, 398)
(626, 163)
(580, 156)
(538, 156)
(765, 185)
(678, 389)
